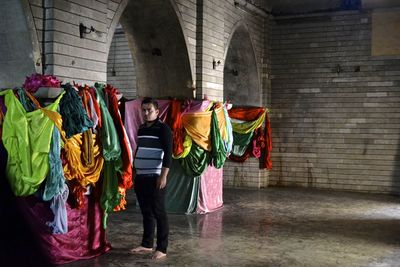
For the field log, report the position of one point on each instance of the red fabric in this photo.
(88, 90)
(246, 114)
(267, 162)
(125, 181)
(85, 238)
(178, 132)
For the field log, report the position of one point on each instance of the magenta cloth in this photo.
(210, 191)
(85, 238)
(134, 118)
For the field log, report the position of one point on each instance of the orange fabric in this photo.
(87, 93)
(178, 132)
(198, 126)
(73, 166)
(246, 114)
(125, 179)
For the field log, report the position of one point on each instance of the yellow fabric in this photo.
(26, 137)
(75, 168)
(187, 145)
(247, 127)
(198, 126)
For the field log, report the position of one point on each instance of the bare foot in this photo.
(158, 255)
(141, 250)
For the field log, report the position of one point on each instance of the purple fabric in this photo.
(195, 106)
(85, 238)
(210, 191)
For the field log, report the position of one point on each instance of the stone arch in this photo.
(241, 75)
(19, 45)
(159, 47)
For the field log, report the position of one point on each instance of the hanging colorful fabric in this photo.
(187, 145)
(247, 126)
(75, 118)
(73, 167)
(218, 151)
(110, 196)
(198, 126)
(178, 131)
(196, 161)
(125, 181)
(27, 138)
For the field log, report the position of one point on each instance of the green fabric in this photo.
(110, 196)
(218, 151)
(196, 161)
(242, 139)
(26, 137)
(25, 101)
(248, 126)
(239, 150)
(74, 116)
(55, 180)
(182, 190)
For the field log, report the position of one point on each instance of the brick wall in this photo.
(335, 108)
(120, 61)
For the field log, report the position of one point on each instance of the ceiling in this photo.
(305, 6)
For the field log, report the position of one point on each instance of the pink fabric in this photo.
(85, 237)
(195, 106)
(134, 118)
(210, 191)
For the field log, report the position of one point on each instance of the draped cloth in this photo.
(126, 176)
(85, 238)
(178, 132)
(198, 126)
(246, 120)
(75, 118)
(125, 179)
(218, 152)
(73, 166)
(110, 196)
(26, 137)
(182, 191)
(210, 190)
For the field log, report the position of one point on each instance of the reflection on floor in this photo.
(270, 227)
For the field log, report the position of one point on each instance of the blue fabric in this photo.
(59, 209)
(55, 180)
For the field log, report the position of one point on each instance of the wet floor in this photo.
(270, 227)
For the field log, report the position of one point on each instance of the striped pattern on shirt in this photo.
(154, 149)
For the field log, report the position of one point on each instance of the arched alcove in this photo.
(19, 47)
(241, 82)
(121, 71)
(158, 47)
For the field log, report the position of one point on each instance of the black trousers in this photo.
(152, 205)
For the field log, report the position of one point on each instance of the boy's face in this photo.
(149, 112)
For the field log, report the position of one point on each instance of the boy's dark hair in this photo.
(149, 100)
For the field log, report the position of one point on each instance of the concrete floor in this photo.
(270, 227)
